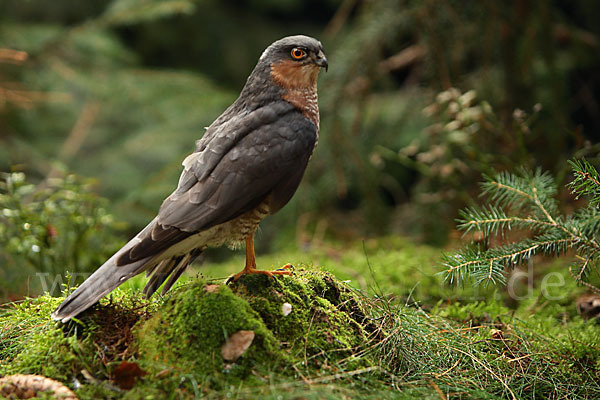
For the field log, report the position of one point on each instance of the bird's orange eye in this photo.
(298, 54)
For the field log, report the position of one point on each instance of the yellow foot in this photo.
(287, 269)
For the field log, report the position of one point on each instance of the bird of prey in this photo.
(247, 166)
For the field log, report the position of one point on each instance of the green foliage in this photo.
(586, 183)
(123, 12)
(59, 225)
(101, 114)
(397, 52)
(461, 144)
(448, 155)
(526, 202)
(120, 89)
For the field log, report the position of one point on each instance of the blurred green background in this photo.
(421, 98)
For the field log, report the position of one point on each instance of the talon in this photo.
(286, 267)
(280, 271)
(250, 267)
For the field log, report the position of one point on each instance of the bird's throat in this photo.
(306, 101)
(299, 82)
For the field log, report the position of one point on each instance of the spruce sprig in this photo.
(586, 182)
(526, 202)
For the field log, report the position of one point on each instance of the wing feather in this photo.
(227, 178)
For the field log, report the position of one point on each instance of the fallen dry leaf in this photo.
(236, 345)
(211, 288)
(126, 373)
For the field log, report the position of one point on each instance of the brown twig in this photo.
(78, 134)
(406, 57)
(9, 56)
(339, 19)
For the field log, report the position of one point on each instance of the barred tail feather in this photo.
(110, 275)
(104, 280)
(170, 268)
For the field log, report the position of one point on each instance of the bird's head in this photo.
(295, 61)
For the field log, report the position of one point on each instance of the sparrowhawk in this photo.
(247, 166)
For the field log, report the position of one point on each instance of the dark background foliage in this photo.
(118, 91)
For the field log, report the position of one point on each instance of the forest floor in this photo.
(373, 319)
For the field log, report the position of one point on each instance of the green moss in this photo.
(322, 328)
(32, 343)
(335, 343)
(325, 322)
(193, 324)
(478, 312)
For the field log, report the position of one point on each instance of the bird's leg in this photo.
(250, 267)
(250, 256)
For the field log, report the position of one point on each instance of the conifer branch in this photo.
(582, 282)
(512, 256)
(541, 206)
(586, 182)
(492, 221)
(526, 201)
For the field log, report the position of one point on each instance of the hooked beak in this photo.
(321, 60)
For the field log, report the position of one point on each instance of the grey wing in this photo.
(268, 160)
(265, 156)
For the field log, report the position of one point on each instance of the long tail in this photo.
(110, 275)
(104, 280)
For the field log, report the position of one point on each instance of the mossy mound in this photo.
(326, 322)
(309, 323)
(309, 320)
(187, 333)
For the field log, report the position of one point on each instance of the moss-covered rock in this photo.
(307, 322)
(186, 334)
(184, 338)
(325, 322)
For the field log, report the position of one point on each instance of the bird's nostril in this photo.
(322, 62)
